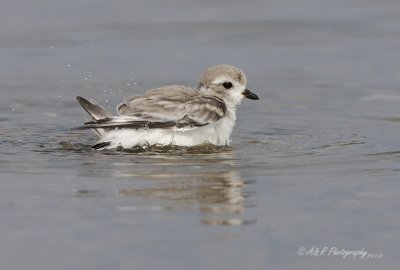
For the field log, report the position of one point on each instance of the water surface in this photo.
(314, 163)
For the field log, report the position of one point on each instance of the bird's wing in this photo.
(166, 107)
(205, 110)
(164, 103)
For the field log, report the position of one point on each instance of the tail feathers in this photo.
(93, 109)
(101, 145)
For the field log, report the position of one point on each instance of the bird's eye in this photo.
(227, 85)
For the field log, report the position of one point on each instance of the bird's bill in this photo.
(250, 95)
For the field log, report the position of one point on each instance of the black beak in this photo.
(247, 93)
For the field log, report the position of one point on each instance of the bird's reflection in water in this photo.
(209, 183)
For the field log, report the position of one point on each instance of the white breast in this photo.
(218, 133)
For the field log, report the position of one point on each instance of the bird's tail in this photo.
(95, 111)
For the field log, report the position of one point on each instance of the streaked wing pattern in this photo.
(205, 109)
(164, 103)
(165, 107)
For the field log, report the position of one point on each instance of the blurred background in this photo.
(314, 163)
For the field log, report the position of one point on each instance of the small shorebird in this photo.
(174, 114)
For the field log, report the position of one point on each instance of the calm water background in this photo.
(314, 163)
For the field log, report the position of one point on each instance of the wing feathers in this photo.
(114, 123)
(205, 109)
(166, 107)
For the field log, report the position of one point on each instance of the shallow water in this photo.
(314, 163)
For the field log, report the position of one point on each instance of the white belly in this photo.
(218, 134)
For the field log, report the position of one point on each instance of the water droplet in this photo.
(146, 127)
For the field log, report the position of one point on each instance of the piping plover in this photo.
(174, 114)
